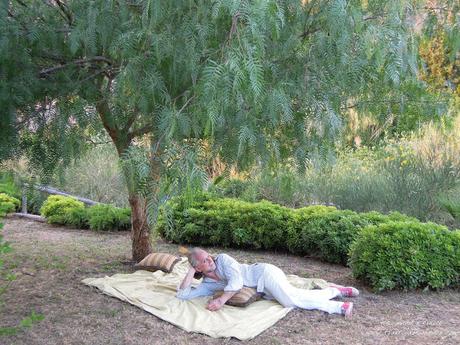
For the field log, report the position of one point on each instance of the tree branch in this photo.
(140, 131)
(21, 3)
(130, 121)
(377, 16)
(44, 72)
(65, 10)
(308, 32)
(234, 27)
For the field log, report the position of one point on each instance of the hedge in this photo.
(57, 209)
(106, 217)
(406, 255)
(373, 244)
(226, 222)
(319, 231)
(64, 210)
(8, 204)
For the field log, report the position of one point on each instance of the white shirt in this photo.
(233, 276)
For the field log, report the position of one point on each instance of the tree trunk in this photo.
(140, 231)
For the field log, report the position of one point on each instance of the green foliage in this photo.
(452, 204)
(108, 218)
(327, 233)
(57, 208)
(406, 255)
(282, 187)
(230, 188)
(96, 176)
(8, 204)
(77, 217)
(226, 222)
(260, 80)
(69, 211)
(319, 231)
(35, 200)
(8, 186)
(408, 175)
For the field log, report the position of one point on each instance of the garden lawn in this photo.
(51, 261)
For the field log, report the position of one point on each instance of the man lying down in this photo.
(225, 273)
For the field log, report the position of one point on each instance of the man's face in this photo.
(205, 263)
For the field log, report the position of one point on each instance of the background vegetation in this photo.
(348, 104)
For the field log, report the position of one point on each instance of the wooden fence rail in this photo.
(50, 190)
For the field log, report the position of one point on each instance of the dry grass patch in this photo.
(51, 261)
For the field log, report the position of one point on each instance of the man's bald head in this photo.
(201, 260)
(196, 256)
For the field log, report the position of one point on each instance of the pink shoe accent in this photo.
(346, 291)
(347, 309)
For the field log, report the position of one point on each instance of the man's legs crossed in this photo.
(277, 285)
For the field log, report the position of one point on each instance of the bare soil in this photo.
(51, 261)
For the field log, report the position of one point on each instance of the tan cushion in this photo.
(158, 261)
(242, 298)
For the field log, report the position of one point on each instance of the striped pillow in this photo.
(158, 261)
(242, 298)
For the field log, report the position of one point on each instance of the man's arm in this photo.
(188, 278)
(185, 290)
(217, 303)
(231, 271)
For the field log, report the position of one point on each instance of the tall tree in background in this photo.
(258, 80)
(440, 48)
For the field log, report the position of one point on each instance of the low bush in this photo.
(106, 218)
(57, 209)
(69, 211)
(326, 233)
(77, 217)
(8, 204)
(319, 231)
(226, 222)
(406, 255)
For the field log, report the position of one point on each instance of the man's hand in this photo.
(215, 304)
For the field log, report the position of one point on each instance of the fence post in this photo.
(24, 200)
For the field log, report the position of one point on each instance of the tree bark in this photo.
(140, 231)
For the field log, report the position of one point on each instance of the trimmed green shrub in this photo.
(406, 255)
(8, 204)
(57, 209)
(375, 218)
(107, 217)
(226, 222)
(320, 231)
(325, 235)
(77, 217)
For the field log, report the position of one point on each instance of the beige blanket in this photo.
(155, 293)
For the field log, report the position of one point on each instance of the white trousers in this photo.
(277, 286)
